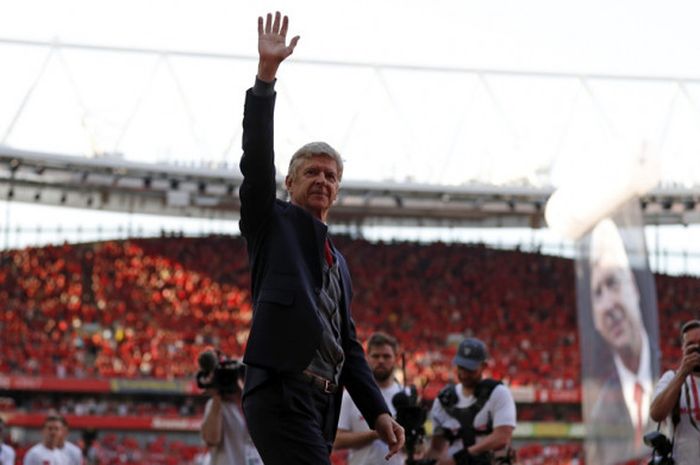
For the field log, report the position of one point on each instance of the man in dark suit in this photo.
(302, 349)
(620, 415)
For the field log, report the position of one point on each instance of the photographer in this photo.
(224, 428)
(473, 422)
(677, 397)
(353, 431)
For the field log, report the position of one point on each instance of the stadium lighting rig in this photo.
(211, 192)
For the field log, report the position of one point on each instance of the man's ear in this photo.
(288, 183)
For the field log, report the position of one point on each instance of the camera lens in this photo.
(207, 361)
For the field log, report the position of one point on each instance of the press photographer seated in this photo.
(677, 399)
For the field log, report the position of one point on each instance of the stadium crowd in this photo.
(147, 308)
(114, 449)
(122, 309)
(66, 404)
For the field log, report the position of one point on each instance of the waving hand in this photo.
(272, 45)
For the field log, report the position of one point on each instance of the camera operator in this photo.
(353, 431)
(677, 396)
(473, 422)
(224, 429)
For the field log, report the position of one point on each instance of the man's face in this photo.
(53, 431)
(615, 301)
(314, 185)
(64, 434)
(691, 338)
(382, 361)
(469, 378)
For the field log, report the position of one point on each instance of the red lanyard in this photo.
(696, 394)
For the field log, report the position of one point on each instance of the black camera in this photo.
(411, 416)
(663, 448)
(216, 371)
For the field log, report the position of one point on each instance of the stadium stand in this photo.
(146, 308)
(76, 316)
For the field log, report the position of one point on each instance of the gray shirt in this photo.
(329, 358)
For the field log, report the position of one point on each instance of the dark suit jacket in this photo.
(612, 429)
(285, 246)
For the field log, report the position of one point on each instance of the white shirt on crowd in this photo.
(7, 455)
(74, 453)
(41, 455)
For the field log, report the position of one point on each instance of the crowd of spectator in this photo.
(66, 404)
(122, 309)
(127, 450)
(551, 454)
(147, 308)
(114, 449)
(522, 304)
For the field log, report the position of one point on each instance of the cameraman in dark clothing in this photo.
(677, 397)
(224, 428)
(473, 421)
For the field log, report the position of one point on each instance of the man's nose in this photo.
(606, 299)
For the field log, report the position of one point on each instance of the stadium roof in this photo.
(127, 186)
(457, 114)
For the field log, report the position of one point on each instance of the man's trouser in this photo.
(291, 422)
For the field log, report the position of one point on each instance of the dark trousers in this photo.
(291, 422)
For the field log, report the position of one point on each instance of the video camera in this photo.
(663, 448)
(411, 416)
(216, 371)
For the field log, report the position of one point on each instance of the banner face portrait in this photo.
(618, 334)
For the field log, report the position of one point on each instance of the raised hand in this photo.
(272, 45)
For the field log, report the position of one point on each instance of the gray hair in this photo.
(314, 149)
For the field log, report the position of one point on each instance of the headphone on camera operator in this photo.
(678, 394)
